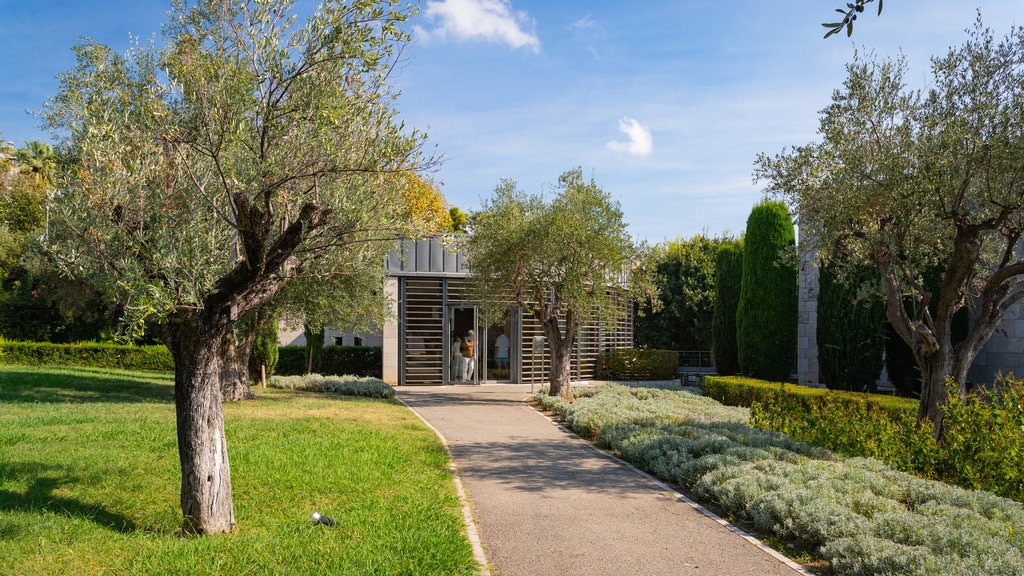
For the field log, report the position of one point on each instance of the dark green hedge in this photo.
(983, 446)
(94, 355)
(851, 327)
(336, 360)
(631, 364)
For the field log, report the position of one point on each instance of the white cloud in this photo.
(588, 32)
(640, 142)
(491, 20)
(585, 23)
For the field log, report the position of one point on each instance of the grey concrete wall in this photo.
(1004, 351)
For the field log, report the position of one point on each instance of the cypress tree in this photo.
(264, 350)
(766, 319)
(851, 334)
(728, 274)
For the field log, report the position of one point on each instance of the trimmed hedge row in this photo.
(336, 360)
(983, 447)
(93, 355)
(631, 364)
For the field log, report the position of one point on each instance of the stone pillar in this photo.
(807, 323)
(390, 343)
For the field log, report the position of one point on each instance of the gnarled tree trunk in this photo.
(560, 346)
(235, 350)
(206, 501)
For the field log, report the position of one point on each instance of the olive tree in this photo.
(906, 181)
(565, 261)
(246, 152)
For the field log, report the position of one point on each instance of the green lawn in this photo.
(89, 481)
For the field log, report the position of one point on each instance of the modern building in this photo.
(428, 282)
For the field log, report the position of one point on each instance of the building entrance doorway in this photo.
(463, 365)
(500, 352)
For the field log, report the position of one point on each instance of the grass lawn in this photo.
(89, 482)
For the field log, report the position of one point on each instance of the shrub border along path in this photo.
(537, 487)
(559, 422)
(862, 516)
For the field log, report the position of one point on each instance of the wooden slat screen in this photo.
(423, 332)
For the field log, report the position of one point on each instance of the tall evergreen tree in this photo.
(728, 275)
(851, 333)
(767, 315)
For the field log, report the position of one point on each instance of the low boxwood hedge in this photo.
(89, 354)
(630, 364)
(336, 360)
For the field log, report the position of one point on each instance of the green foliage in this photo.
(34, 309)
(906, 180)
(567, 262)
(728, 280)
(849, 17)
(862, 516)
(248, 132)
(559, 255)
(630, 364)
(982, 447)
(265, 349)
(86, 354)
(344, 385)
(850, 328)
(459, 220)
(740, 391)
(335, 360)
(766, 317)
(983, 439)
(684, 274)
(854, 424)
(314, 347)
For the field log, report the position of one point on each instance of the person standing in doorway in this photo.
(501, 347)
(456, 366)
(469, 356)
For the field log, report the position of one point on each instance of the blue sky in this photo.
(665, 102)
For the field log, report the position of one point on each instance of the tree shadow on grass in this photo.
(39, 497)
(75, 384)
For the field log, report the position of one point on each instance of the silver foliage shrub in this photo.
(863, 516)
(344, 385)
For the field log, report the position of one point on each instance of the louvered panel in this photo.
(423, 332)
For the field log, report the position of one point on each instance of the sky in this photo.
(665, 103)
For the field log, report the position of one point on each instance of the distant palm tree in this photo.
(39, 159)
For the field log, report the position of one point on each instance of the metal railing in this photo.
(695, 359)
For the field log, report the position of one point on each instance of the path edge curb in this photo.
(679, 496)
(467, 512)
